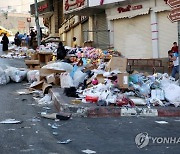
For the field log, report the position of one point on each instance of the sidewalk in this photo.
(64, 103)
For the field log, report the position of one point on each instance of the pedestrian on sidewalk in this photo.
(174, 47)
(33, 35)
(5, 42)
(175, 59)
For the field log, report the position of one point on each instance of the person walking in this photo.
(33, 35)
(5, 42)
(61, 52)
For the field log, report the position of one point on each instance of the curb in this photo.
(93, 111)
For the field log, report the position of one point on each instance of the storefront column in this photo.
(90, 28)
(155, 34)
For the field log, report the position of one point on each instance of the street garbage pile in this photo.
(12, 74)
(49, 47)
(16, 52)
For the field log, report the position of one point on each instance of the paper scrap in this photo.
(161, 122)
(10, 121)
(64, 142)
(88, 151)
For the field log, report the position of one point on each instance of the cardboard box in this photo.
(53, 79)
(32, 64)
(123, 80)
(34, 56)
(117, 63)
(45, 57)
(43, 72)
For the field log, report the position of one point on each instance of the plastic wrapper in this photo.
(16, 74)
(60, 66)
(33, 76)
(4, 78)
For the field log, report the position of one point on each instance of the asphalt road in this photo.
(103, 135)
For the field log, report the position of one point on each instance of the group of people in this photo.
(174, 59)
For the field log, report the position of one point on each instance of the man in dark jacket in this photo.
(5, 42)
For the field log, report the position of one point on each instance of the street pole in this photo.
(37, 23)
(179, 47)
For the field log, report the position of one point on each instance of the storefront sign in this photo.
(129, 8)
(43, 7)
(174, 14)
(173, 3)
(71, 22)
(73, 4)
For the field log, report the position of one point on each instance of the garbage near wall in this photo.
(94, 76)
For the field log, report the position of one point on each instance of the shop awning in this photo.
(129, 14)
(161, 8)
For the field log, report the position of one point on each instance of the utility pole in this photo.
(37, 23)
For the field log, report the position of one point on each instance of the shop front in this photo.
(142, 29)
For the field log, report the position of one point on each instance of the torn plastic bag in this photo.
(157, 94)
(66, 80)
(4, 78)
(15, 74)
(33, 76)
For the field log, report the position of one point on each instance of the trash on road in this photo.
(161, 122)
(64, 142)
(88, 151)
(10, 121)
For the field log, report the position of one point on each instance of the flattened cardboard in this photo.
(117, 63)
(46, 87)
(37, 85)
(123, 80)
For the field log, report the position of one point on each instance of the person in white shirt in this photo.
(175, 69)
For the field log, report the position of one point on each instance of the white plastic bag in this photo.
(33, 75)
(16, 74)
(66, 80)
(4, 78)
(79, 77)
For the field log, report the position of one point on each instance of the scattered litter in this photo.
(11, 129)
(24, 92)
(37, 131)
(10, 121)
(35, 119)
(46, 108)
(64, 142)
(88, 151)
(54, 126)
(161, 122)
(55, 133)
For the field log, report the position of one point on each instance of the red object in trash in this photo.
(92, 99)
(125, 101)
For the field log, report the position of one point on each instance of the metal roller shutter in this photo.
(101, 33)
(168, 33)
(85, 28)
(132, 37)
